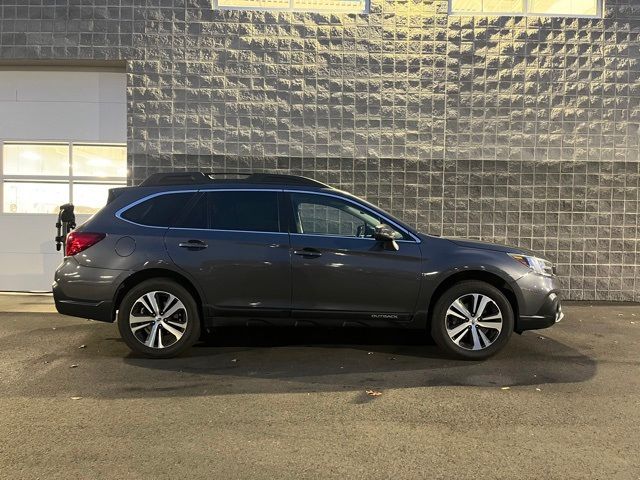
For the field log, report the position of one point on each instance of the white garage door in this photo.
(62, 138)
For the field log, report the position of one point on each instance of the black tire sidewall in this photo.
(191, 335)
(438, 319)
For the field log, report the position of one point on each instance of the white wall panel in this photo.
(52, 105)
(61, 86)
(27, 271)
(112, 129)
(8, 89)
(50, 121)
(111, 88)
(28, 255)
(68, 106)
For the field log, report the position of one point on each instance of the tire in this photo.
(461, 332)
(173, 334)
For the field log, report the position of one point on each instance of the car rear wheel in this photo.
(472, 320)
(159, 319)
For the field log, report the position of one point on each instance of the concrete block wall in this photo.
(510, 129)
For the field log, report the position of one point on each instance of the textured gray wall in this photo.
(514, 130)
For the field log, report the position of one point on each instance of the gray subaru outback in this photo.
(186, 252)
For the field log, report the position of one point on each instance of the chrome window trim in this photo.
(377, 214)
(328, 235)
(267, 232)
(119, 213)
(242, 189)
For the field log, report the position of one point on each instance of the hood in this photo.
(463, 242)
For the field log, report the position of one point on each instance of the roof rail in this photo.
(175, 178)
(282, 179)
(201, 178)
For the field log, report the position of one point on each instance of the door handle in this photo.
(193, 245)
(308, 253)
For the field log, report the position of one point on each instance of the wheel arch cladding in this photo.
(156, 273)
(484, 276)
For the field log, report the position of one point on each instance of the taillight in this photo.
(79, 241)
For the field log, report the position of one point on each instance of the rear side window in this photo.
(247, 211)
(196, 216)
(231, 210)
(159, 211)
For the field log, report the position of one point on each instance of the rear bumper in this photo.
(86, 292)
(101, 311)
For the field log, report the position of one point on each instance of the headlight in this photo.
(538, 265)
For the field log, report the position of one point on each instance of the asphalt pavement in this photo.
(562, 403)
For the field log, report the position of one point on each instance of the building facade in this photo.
(519, 129)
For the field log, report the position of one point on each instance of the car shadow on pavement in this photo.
(286, 360)
(49, 355)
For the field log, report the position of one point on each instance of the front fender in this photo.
(439, 272)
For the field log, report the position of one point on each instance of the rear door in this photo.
(232, 243)
(339, 270)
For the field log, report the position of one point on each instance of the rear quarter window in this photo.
(158, 211)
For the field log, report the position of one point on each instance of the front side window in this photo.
(576, 8)
(39, 177)
(324, 215)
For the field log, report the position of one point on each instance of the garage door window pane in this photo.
(564, 7)
(585, 7)
(254, 4)
(99, 161)
(34, 197)
(558, 7)
(503, 6)
(25, 159)
(89, 198)
(466, 5)
(578, 8)
(333, 6)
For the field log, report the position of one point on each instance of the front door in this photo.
(231, 242)
(340, 270)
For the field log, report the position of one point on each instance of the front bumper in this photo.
(550, 314)
(541, 305)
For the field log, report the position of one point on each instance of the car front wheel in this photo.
(159, 319)
(472, 320)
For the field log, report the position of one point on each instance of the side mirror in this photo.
(384, 233)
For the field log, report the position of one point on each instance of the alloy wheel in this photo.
(158, 319)
(473, 321)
